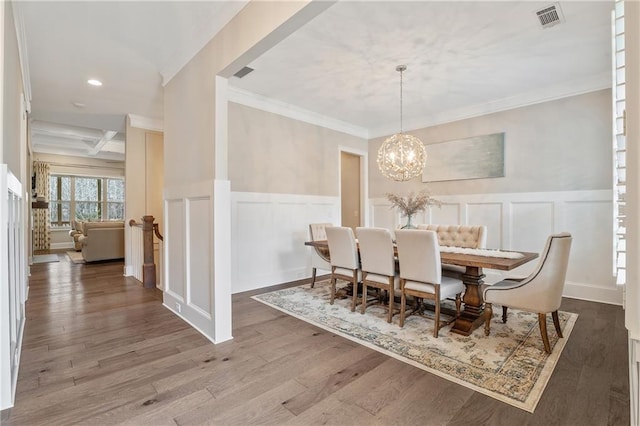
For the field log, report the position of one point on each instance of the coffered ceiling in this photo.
(463, 59)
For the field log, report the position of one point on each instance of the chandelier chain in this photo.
(401, 70)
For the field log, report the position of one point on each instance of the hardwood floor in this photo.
(99, 349)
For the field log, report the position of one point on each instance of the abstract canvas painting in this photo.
(470, 158)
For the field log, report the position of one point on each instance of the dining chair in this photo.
(378, 265)
(421, 272)
(463, 236)
(345, 261)
(320, 256)
(540, 292)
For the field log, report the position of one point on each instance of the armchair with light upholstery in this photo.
(320, 256)
(540, 292)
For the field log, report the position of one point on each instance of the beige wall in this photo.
(270, 153)
(144, 178)
(189, 114)
(561, 145)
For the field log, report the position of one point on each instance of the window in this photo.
(85, 198)
(115, 199)
(60, 200)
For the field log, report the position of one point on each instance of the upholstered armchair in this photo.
(320, 256)
(540, 292)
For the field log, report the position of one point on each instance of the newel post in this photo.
(149, 267)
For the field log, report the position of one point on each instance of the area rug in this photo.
(510, 365)
(75, 256)
(45, 258)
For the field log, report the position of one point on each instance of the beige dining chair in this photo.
(378, 265)
(345, 262)
(320, 256)
(540, 292)
(421, 272)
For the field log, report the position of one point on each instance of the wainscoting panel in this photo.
(188, 262)
(199, 255)
(268, 232)
(489, 214)
(523, 221)
(445, 214)
(537, 218)
(175, 249)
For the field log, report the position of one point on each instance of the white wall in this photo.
(522, 221)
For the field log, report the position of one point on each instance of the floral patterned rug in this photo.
(509, 365)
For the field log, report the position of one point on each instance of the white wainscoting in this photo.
(522, 221)
(268, 232)
(189, 260)
(13, 290)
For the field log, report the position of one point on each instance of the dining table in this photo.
(474, 261)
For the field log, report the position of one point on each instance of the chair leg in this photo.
(556, 323)
(437, 324)
(364, 293)
(403, 303)
(354, 299)
(542, 320)
(313, 277)
(333, 290)
(390, 295)
(488, 313)
(504, 314)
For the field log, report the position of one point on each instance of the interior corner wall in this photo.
(561, 145)
(191, 218)
(284, 175)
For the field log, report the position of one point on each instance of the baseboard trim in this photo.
(611, 296)
(61, 246)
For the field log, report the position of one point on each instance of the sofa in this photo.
(101, 240)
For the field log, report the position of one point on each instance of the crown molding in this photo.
(291, 111)
(145, 122)
(550, 93)
(23, 56)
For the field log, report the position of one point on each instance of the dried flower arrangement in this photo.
(411, 204)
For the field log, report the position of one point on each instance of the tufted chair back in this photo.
(467, 236)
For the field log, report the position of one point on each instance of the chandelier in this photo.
(401, 157)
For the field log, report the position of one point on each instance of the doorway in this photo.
(351, 189)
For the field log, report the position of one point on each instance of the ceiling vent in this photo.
(244, 71)
(550, 15)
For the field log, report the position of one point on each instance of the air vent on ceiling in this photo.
(244, 71)
(550, 15)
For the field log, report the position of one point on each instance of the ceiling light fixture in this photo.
(401, 157)
(94, 82)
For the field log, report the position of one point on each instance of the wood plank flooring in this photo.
(99, 350)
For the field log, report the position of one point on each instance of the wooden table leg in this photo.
(471, 315)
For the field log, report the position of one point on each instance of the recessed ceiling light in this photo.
(94, 82)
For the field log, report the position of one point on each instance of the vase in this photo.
(409, 225)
